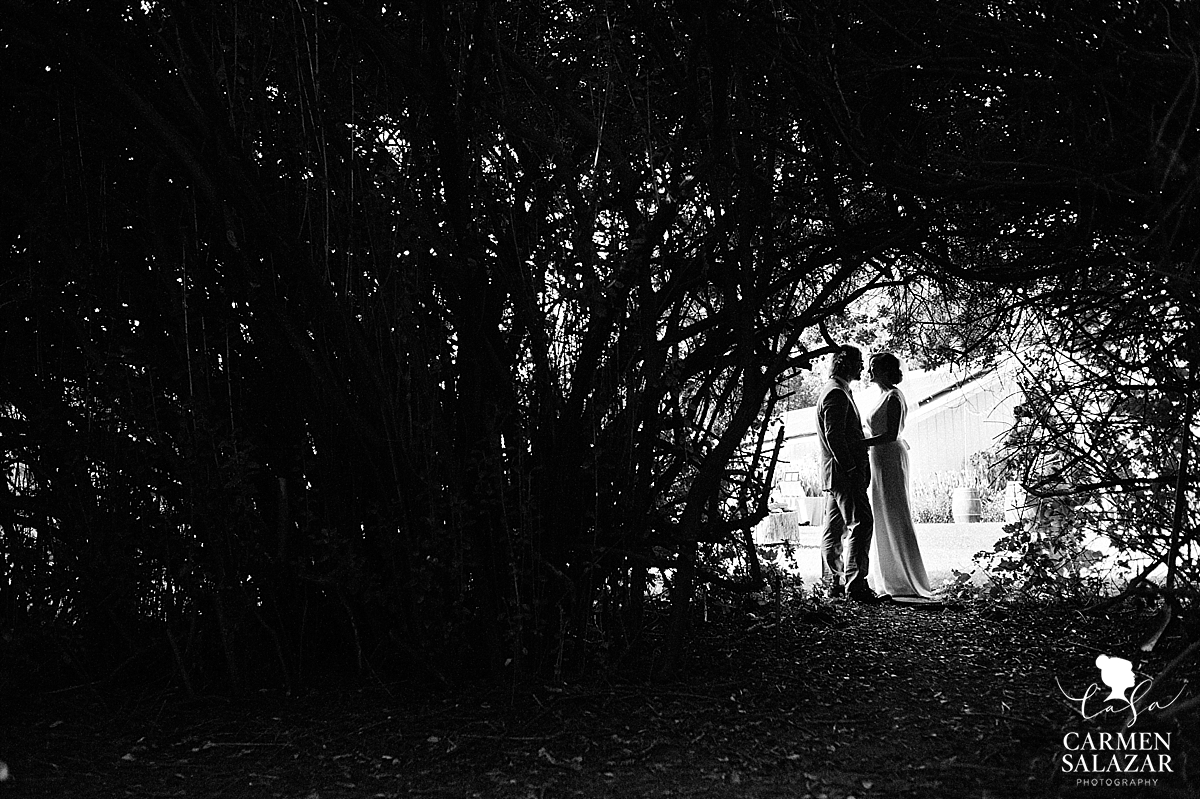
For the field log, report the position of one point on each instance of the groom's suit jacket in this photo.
(839, 429)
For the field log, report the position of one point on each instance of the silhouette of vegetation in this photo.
(425, 339)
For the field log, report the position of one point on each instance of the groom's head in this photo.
(847, 362)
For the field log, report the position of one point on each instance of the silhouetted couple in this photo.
(866, 483)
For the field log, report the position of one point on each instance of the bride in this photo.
(899, 571)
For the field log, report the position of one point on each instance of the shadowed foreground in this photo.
(833, 702)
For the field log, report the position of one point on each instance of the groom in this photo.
(846, 473)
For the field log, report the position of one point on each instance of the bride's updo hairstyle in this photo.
(887, 365)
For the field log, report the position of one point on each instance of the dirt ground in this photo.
(827, 702)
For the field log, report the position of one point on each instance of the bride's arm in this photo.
(892, 419)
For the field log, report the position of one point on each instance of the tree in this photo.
(348, 336)
(1108, 337)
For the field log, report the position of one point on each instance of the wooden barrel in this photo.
(965, 505)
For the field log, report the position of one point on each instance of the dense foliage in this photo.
(423, 337)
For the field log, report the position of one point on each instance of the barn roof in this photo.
(927, 392)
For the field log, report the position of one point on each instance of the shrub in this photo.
(929, 500)
(931, 497)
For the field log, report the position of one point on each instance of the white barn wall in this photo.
(943, 431)
(946, 431)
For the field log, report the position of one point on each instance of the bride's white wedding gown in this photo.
(897, 566)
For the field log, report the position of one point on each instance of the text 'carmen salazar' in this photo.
(1125, 753)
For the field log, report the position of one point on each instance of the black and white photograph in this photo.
(629, 399)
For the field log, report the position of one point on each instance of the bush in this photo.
(931, 498)
(1035, 560)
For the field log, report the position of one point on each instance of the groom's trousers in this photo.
(847, 515)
